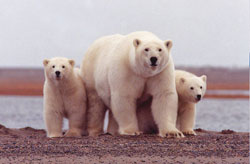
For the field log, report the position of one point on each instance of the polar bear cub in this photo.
(120, 69)
(64, 96)
(190, 89)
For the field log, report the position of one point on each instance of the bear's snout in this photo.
(153, 61)
(198, 97)
(57, 73)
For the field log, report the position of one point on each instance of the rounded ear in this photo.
(168, 44)
(71, 62)
(45, 62)
(136, 42)
(182, 80)
(204, 78)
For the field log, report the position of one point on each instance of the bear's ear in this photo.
(182, 80)
(204, 78)
(136, 42)
(168, 44)
(72, 62)
(45, 62)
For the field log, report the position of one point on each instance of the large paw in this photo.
(129, 132)
(189, 132)
(95, 133)
(175, 133)
(73, 133)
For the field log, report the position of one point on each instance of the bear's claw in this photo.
(189, 132)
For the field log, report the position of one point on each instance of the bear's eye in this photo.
(63, 66)
(53, 66)
(200, 87)
(146, 49)
(191, 88)
(159, 49)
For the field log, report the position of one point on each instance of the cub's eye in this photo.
(146, 49)
(159, 49)
(200, 87)
(191, 88)
(53, 66)
(63, 66)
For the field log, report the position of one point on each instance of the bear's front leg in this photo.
(164, 110)
(186, 119)
(124, 112)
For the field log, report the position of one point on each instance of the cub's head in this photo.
(192, 89)
(58, 68)
(152, 56)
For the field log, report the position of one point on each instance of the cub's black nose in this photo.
(153, 61)
(58, 73)
(198, 97)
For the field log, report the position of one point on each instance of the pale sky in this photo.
(214, 32)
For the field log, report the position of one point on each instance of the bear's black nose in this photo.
(153, 61)
(57, 73)
(198, 97)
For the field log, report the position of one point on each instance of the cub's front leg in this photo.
(186, 118)
(124, 111)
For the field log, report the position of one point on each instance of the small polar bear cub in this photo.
(190, 89)
(64, 96)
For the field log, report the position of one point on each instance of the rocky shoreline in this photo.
(27, 145)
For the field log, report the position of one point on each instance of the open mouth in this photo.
(153, 65)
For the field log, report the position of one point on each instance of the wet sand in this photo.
(31, 145)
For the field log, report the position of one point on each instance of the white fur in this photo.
(186, 104)
(117, 72)
(64, 96)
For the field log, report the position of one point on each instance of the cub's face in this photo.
(152, 56)
(58, 68)
(192, 89)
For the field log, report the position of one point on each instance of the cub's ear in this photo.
(204, 78)
(71, 62)
(182, 80)
(45, 62)
(136, 42)
(168, 44)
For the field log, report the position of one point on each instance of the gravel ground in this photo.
(28, 145)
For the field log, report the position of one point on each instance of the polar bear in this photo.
(190, 89)
(118, 70)
(64, 96)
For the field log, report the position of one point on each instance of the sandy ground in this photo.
(30, 145)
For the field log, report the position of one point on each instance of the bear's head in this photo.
(58, 68)
(152, 56)
(192, 89)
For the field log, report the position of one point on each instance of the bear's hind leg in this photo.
(95, 114)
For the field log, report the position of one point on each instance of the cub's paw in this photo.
(75, 133)
(55, 135)
(189, 132)
(175, 133)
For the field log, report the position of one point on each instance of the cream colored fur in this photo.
(64, 96)
(186, 105)
(117, 73)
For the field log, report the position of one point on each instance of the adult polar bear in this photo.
(118, 70)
